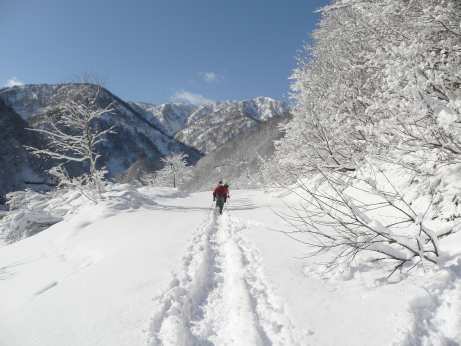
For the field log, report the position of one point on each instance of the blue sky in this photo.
(157, 50)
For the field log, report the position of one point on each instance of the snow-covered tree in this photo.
(73, 136)
(381, 77)
(420, 98)
(90, 186)
(381, 225)
(381, 82)
(174, 173)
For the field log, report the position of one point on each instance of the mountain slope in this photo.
(238, 161)
(17, 167)
(206, 131)
(144, 132)
(171, 117)
(209, 126)
(135, 136)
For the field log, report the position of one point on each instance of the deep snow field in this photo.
(172, 272)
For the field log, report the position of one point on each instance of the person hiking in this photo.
(220, 195)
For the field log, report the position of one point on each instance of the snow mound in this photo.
(32, 212)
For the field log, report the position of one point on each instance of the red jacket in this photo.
(221, 191)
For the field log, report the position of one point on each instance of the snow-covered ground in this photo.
(175, 273)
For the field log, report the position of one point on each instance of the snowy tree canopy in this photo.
(379, 86)
(381, 78)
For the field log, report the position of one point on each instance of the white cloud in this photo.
(13, 82)
(210, 77)
(188, 97)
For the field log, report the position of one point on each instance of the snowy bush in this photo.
(381, 83)
(32, 212)
(367, 216)
(90, 186)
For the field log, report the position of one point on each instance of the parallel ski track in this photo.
(220, 295)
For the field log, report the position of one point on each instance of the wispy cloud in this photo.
(210, 77)
(188, 97)
(13, 82)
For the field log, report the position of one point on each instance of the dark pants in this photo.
(220, 200)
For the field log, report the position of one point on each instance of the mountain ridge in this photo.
(143, 130)
(206, 127)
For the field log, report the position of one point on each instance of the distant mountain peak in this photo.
(175, 117)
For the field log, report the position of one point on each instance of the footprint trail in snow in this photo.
(220, 295)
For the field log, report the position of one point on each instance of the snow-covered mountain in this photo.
(227, 120)
(171, 117)
(209, 126)
(239, 160)
(144, 131)
(135, 136)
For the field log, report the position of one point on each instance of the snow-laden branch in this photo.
(73, 135)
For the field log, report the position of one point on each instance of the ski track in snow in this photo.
(220, 295)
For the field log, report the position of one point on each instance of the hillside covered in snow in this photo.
(133, 136)
(207, 127)
(141, 131)
(240, 161)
